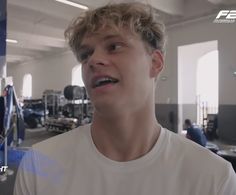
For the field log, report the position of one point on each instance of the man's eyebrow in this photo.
(105, 38)
(83, 47)
(112, 36)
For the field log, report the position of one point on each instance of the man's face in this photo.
(117, 70)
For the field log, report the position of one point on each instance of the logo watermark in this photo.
(226, 16)
(3, 169)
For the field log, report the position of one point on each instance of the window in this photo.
(27, 86)
(77, 76)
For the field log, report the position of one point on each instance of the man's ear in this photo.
(157, 63)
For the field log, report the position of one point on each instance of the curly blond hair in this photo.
(137, 17)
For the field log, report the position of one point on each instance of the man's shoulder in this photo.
(193, 153)
(198, 165)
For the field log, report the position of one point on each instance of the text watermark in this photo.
(3, 169)
(226, 16)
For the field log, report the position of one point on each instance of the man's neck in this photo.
(127, 137)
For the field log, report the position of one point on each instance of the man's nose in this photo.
(98, 58)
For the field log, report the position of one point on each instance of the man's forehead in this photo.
(107, 33)
(90, 39)
(104, 33)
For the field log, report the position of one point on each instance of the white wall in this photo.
(197, 32)
(50, 73)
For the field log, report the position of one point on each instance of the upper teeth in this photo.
(102, 80)
(97, 82)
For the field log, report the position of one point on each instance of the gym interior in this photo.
(43, 95)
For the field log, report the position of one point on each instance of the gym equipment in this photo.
(73, 92)
(61, 124)
(73, 111)
(53, 101)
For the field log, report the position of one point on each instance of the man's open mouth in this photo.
(103, 81)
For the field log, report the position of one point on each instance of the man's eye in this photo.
(114, 46)
(84, 55)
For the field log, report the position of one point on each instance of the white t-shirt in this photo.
(70, 164)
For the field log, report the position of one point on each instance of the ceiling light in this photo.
(11, 41)
(73, 4)
(235, 73)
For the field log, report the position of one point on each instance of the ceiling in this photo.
(38, 25)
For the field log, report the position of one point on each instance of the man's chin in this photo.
(106, 108)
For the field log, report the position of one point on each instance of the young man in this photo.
(124, 151)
